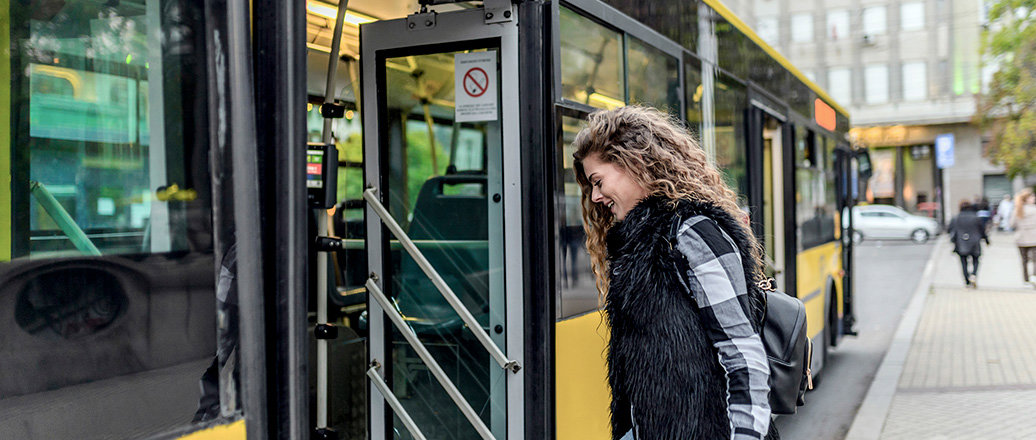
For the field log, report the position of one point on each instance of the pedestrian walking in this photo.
(981, 206)
(1004, 212)
(676, 274)
(967, 230)
(1024, 223)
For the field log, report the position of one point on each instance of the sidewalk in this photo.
(963, 362)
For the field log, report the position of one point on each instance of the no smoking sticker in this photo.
(475, 86)
(476, 81)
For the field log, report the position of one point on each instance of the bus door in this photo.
(852, 167)
(441, 148)
(768, 128)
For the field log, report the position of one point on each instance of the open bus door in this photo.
(853, 167)
(440, 114)
(770, 134)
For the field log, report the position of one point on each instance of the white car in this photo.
(890, 222)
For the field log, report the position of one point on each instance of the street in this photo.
(887, 272)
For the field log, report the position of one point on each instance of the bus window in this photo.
(731, 102)
(108, 256)
(828, 233)
(654, 77)
(815, 208)
(694, 90)
(578, 289)
(591, 62)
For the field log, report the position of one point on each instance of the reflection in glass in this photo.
(591, 62)
(108, 269)
(678, 21)
(578, 289)
(815, 208)
(733, 47)
(442, 178)
(654, 77)
(731, 103)
(693, 89)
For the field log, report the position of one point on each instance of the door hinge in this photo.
(420, 21)
(497, 11)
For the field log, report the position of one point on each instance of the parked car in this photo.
(890, 222)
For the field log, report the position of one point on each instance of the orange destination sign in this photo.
(824, 114)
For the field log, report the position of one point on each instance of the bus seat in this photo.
(442, 216)
(450, 227)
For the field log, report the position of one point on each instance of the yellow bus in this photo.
(267, 219)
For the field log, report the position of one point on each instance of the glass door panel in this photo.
(444, 186)
(440, 107)
(773, 198)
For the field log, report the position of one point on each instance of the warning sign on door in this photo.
(475, 86)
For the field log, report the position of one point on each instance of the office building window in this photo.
(915, 81)
(802, 28)
(839, 85)
(838, 24)
(766, 28)
(876, 83)
(911, 16)
(874, 22)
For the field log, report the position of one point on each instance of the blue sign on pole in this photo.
(944, 150)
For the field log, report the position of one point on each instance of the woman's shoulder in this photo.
(700, 234)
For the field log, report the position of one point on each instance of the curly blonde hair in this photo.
(659, 155)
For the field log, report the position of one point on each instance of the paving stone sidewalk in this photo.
(971, 368)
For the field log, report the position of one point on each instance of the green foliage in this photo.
(1007, 109)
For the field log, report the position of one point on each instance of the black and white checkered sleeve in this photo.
(716, 279)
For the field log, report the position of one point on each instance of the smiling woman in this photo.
(648, 190)
(613, 186)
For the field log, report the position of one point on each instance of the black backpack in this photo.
(788, 349)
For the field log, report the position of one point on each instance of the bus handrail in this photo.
(401, 412)
(433, 366)
(447, 293)
(74, 233)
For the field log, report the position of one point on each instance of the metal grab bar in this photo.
(408, 244)
(68, 226)
(429, 361)
(382, 387)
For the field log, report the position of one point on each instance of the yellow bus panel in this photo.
(816, 266)
(6, 209)
(231, 431)
(581, 378)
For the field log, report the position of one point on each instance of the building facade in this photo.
(908, 71)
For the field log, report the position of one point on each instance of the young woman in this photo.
(676, 270)
(1024, 223)
(967, 230)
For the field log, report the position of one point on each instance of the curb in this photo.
(870, 418)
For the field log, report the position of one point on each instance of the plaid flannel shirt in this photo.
(715, 278)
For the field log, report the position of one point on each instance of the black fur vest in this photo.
(660, 360)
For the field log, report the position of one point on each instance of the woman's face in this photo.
(612, 186)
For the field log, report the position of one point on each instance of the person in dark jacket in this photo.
(967, 229)
(676, 270)
(224, 363)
